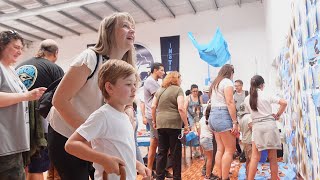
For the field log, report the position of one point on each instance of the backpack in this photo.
(246, 93)
(45, 102)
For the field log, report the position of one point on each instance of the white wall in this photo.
(277, 18)
(243, 28)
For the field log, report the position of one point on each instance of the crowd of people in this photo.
(91, 129)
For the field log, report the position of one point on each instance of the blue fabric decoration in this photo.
(215, 53)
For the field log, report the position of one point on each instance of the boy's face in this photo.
(123, 92)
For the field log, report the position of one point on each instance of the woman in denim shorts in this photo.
(223, 120)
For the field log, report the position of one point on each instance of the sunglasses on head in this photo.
(8, 35)
(13, 32)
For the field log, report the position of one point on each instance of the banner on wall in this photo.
(144, 61)
(170, 49)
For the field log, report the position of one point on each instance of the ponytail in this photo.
(256, 81)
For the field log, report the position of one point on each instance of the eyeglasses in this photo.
(194, 91)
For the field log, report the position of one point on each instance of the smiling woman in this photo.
(14, 97)
(77, 96)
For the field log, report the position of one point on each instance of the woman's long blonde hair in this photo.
(107, 40)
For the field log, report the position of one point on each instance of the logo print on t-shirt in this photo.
(28, 75)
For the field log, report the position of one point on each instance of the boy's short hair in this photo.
(113, 70)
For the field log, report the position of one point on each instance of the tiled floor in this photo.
(191, 168)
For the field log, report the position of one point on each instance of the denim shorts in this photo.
(220, 119)
(206, 143)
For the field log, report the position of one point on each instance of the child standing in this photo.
(245, 123)
(108, 129)
(265, 133)
(208, 144)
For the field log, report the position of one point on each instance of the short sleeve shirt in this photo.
(217, 96)
(264, 105)
(150, 88)
(111, 132)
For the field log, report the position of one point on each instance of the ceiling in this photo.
(41, 19)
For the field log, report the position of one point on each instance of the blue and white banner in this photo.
(170, 49)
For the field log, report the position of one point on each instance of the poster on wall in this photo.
(144, 61)
(170, 49)
(313, 49)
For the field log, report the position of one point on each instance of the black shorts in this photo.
(39, 162)
(68, 166)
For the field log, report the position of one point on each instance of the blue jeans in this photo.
(220, 119)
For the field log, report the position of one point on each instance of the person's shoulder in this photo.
(226, 80)
(87, 53)
(147, 80)
(27, 62)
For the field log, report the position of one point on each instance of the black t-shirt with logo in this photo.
(38, 72)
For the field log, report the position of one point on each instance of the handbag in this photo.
(182, 138)
(185, 138)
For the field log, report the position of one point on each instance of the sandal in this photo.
(214, 177)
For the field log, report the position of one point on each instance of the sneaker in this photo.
(214, 177)
(203, 172)
(196, 154)
(168, 174)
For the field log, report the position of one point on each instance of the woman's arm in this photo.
(8, 99)
(182, 111)
(283, 105)
(228, 93)
(130, 112)
(186, 102)
(69, 86)
(201, 100)
(78, 146)
(154, 106)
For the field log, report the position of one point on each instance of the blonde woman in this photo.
(77, 96)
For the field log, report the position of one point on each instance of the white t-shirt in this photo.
(217, 96)
(246, 132)
(205, 130)
(88, 99)
(111, 132)
(263, 105)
